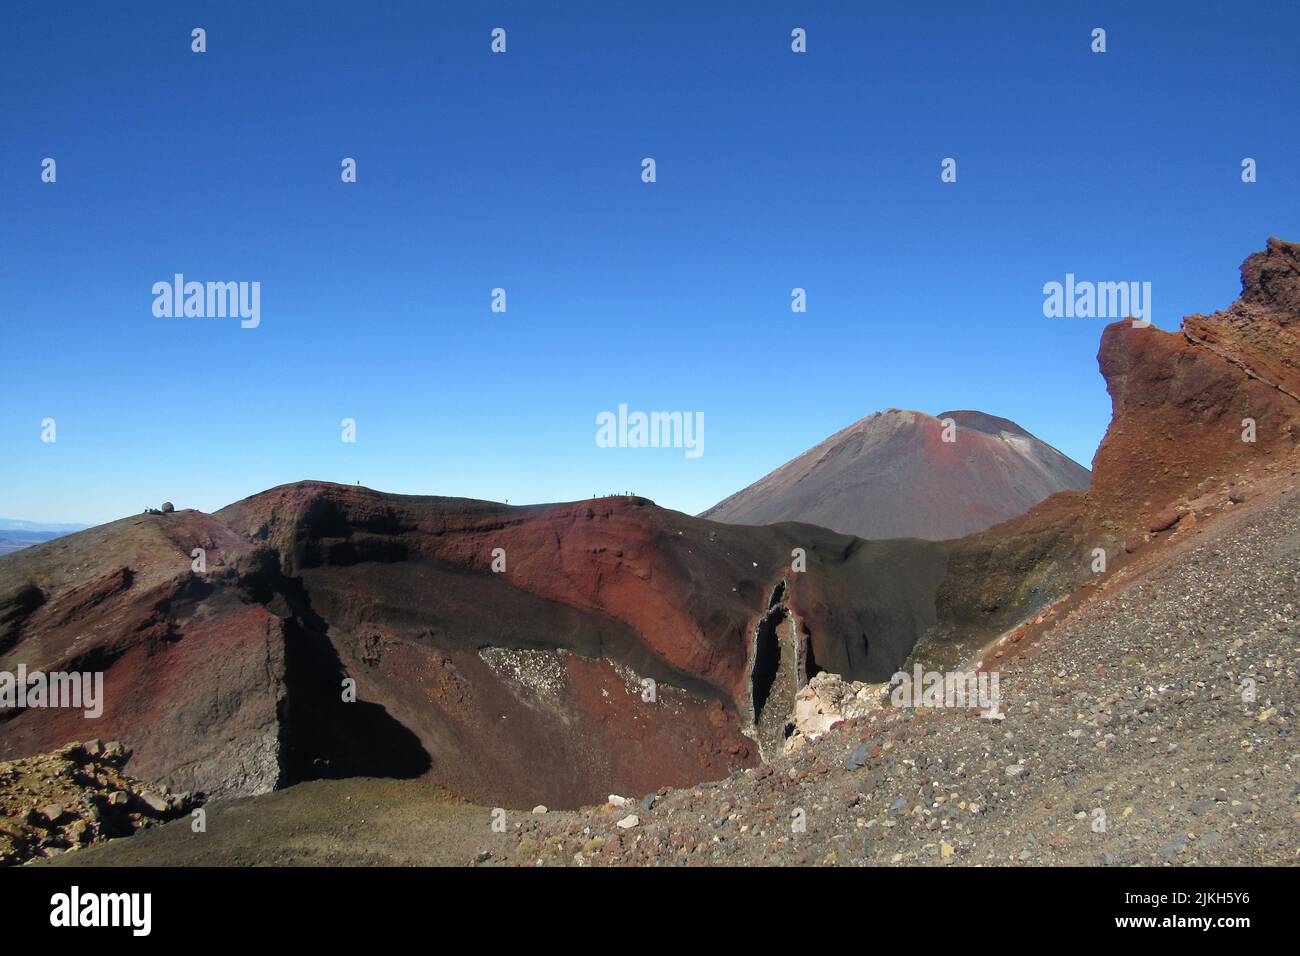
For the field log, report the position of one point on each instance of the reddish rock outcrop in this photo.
(1183, 405)
(1260, 332)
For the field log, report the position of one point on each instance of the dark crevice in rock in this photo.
(775, 672)
(778, 595)
(810, 666)
(767, 659)
(321, 734)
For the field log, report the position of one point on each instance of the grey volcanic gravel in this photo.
(1126, 740)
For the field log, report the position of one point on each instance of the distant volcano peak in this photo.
(896, 474)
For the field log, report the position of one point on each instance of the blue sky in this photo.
(522, 171)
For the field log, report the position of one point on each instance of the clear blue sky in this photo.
(522, 171)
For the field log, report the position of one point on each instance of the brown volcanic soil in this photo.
(891, 475)
(362, 821)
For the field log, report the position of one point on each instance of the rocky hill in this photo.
(504, 652)
(1190, 421)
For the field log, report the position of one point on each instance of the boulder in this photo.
(827, 700)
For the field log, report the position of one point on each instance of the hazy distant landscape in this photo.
(16, 534)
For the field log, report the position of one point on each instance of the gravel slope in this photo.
(362, 821)
(1133, 709)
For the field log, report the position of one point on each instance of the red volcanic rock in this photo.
(1260, 332)
(1179, 414)
(200, 690)
(613, 652)
(1181, 404)
(893, 475)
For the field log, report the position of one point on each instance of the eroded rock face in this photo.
(1182, 403)
(1261, 330)
(193, 673)
(1185, 403)
(1180, 411)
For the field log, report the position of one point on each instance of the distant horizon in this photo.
(25, 524)
(74, 526)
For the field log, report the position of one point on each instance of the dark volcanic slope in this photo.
(891, 475)
(514, 688)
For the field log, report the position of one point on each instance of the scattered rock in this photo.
(74, 797)
(858, 758)
(1170, 851)
(826, 701)
(155, 803)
